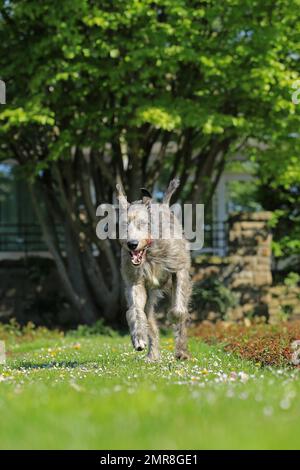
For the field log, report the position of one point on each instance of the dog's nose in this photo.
(132, 244)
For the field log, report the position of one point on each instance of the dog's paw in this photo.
(182, 355)
(139, 344)
(152, 358)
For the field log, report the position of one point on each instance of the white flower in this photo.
(243, 377)
(285, 404)
(268, 410)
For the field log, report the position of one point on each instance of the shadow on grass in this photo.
(50, 365)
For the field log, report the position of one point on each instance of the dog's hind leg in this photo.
(181, 291)
(136, 317)
(153, 331)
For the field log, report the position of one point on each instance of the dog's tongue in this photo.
(136, 256)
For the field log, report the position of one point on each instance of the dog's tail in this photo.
(173, 185)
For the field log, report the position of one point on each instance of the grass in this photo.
(96, 393)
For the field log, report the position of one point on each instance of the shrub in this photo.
(292, 279)
(13, 331)
(211, 295)
(98, 328)
(261, 343)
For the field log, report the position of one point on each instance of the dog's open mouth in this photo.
(137, 257)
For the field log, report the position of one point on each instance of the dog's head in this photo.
(136, 233)
(135, 225)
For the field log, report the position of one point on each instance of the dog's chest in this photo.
(155, 277)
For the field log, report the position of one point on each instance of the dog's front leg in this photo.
(181, 291)
(153, 332)
(136, 317)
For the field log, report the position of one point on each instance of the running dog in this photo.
(153, 264)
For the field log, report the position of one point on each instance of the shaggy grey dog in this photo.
(155, 260)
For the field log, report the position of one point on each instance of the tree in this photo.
(136, 91)
(279, 192)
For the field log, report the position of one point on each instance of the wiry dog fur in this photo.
(152, 268)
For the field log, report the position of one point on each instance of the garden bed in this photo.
(259, 342)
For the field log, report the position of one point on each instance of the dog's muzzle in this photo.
(138, 256)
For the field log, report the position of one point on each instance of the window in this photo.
(19, 229)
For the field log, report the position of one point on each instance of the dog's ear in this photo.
(146, 196)
(121, 196)
(173, 185)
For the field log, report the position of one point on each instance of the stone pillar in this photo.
(250, 254)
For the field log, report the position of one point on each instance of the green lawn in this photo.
(97, 393)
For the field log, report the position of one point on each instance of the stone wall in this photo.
(284, 302)
(246, 271)
(250, 248)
